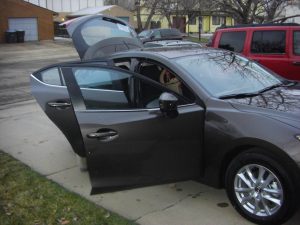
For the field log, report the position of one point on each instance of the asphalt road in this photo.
(18, 61)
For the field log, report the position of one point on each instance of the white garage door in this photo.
(28, 24)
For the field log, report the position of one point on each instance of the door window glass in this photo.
(103, 88)
(268, 42)
(52, 77)
(297, 42)
(99, 29)
(148, 96)
(233, 41)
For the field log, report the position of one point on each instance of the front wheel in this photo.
(260, 189)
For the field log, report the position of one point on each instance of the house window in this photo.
(223, 20)
(215, 20)
(155, 24)
(192, 20)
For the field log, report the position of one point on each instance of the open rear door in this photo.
(99, 36)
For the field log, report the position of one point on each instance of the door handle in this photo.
(296, 63)
(104, 135)
(62, 105)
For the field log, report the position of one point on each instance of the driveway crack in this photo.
(168, 206)
(50, 174)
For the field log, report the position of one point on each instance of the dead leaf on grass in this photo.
(106, 215)
(64, 221)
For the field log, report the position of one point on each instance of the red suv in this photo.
(275, 46)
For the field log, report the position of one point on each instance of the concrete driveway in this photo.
(28, 135)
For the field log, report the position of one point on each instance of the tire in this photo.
(269, 198)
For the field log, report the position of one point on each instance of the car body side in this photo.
(226, 131)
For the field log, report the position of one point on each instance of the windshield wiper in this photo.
(252, 94)
(283, 84)
(239, 95)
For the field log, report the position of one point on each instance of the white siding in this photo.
(66, 5)
(83, 4)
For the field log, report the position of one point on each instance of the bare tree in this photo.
(138, 6)
(272, 9)
(249, 11)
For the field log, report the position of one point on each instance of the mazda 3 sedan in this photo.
(145, 116)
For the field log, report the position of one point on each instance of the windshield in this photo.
(144, 33)
(225, 73)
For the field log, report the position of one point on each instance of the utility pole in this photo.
(200, 20)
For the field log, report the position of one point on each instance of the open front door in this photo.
(99, 36)
(128, 142)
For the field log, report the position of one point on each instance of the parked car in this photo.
(276, 46)
(160, 34)
(148, 116)
(171, 43)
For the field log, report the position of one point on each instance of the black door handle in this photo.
(296, 63)
(104, 135)
(61, 105)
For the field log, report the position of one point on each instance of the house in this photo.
(209, 21)
(37, 22)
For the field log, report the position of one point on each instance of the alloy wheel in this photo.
(258, 190)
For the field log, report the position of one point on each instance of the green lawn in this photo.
(195, 39)
(29, 198)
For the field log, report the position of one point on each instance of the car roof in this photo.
(173, 42)
(163, 29)
(170, 52)
(258, 26)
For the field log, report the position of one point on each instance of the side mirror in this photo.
(152, 37)
(168, 105)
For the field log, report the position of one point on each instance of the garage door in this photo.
(27, 24)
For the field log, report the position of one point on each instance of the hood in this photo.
(282, 103)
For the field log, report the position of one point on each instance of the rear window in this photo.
(268, 42)
(97, 30)
(233, 41)
(297, 42)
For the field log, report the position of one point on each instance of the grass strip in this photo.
(26, 197)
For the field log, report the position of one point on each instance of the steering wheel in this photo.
(170, 81)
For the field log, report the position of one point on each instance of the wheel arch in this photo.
(258, 146)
